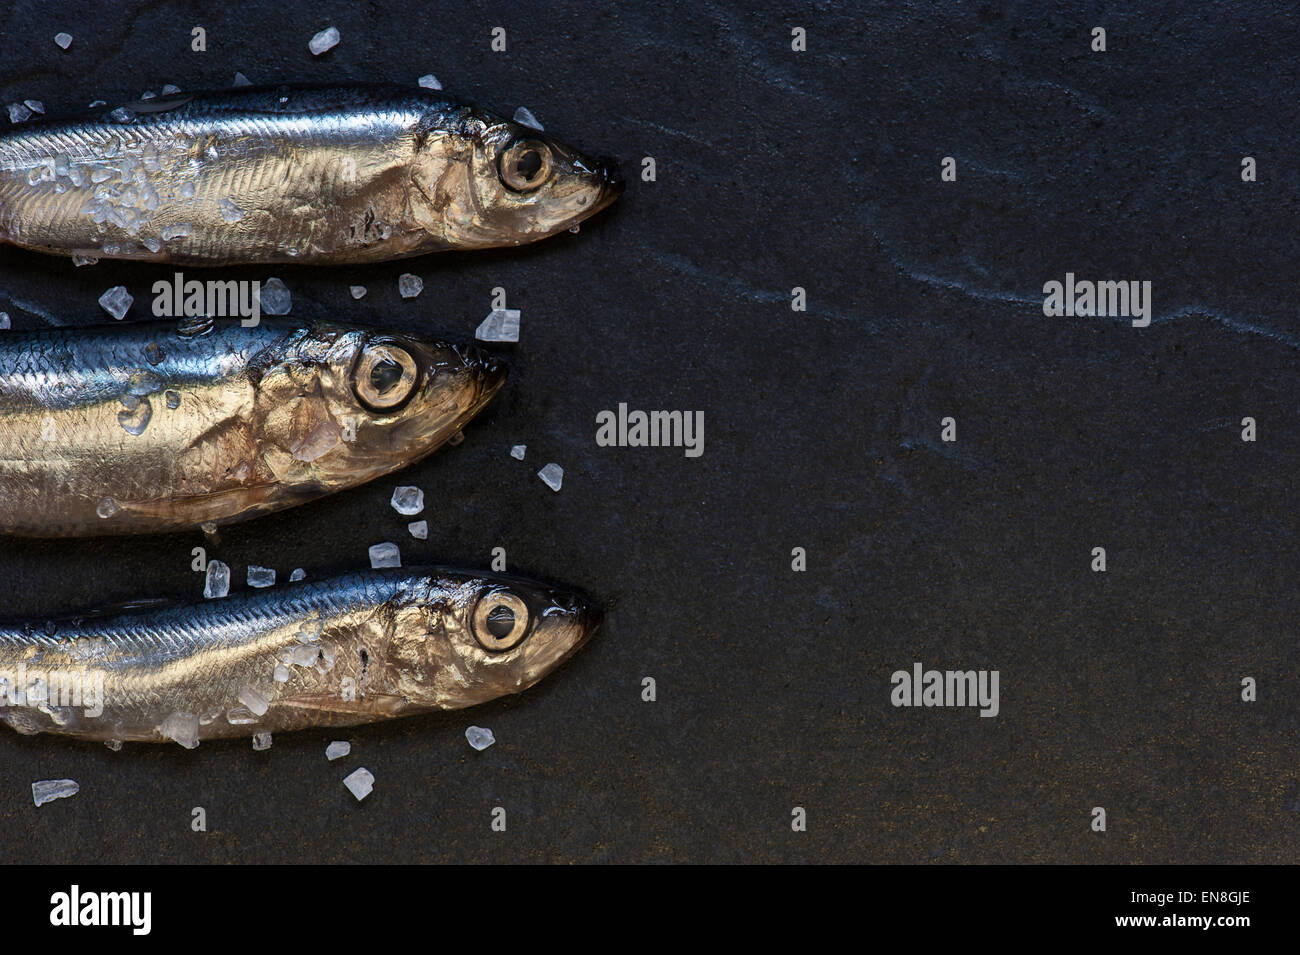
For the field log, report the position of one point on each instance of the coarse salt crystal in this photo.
(360, 783)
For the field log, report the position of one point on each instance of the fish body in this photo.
(261, 175)
(167, 426)
(336, 652)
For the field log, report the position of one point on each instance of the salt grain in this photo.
(337, 749)
(410, 285)
(408, 500)
(47, 790)
(480, 737)
(257, 704)
(419, 530)
(116, 301)
(358, 291)
(324, 41)
(501, 325)
(261, 741)
(217, 581)
(64, 40)
(517, 452)
(360, 783)
(181, 727)
(385, 555)
(430, 82)
(552, 476)
(260, 576)
(276, 298)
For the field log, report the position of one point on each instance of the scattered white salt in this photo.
(419, 530)
(480, 737)
(304, 655)
(385, 555)
(35, 105)
(298, 574)
(261, 741)
(256, 702)
(176, 231)
(97, 102)
(18, 113)
(114, 744)
(229, 211)
(47, 790)
(242, 80)
(360, 782)
(524, 117)
(501, 325)
(64, 40)
(337, 749)
(552, 476)
(410, 285)
(79, 259)
(260, 576)
(430, 82)
(358, 291)
(121, 115)
(170, 89)
(280, 673)
(181, 727)
(327, 39)
(4, 320)
(148, 94)
(408, 500)
(116, 301)
(517, 452)
(217, 581)
(276, 298)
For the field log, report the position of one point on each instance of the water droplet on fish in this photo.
(153, 353)
(135, 419)
(229, 211)
(107, 508)
(173, 399)
(575, 229)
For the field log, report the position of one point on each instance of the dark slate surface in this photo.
(777, 169)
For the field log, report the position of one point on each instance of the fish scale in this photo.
(389, 643)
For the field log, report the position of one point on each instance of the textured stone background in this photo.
(777, 169)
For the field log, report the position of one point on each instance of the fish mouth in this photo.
(492, 375)
(612, 182)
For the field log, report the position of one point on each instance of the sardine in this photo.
(167, 426)
(336, 652)
(290, 175)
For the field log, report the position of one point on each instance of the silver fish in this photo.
(337, 652)
(290, 175)
(166, 426)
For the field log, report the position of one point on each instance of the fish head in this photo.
(509, 184)
(459, 640)
(344, 405)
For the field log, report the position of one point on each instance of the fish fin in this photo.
(374, 705)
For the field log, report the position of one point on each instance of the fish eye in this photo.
(525, 165)
(385, 376)
(501, 621)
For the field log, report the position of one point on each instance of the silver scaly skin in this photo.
(166, 426)
(261, 175)
(338, 652)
